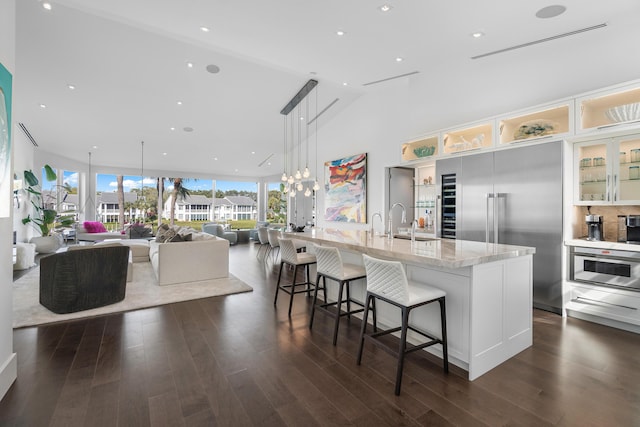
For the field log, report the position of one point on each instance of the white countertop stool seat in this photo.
(263, 238)
(330, 266)
(292, 257)
(387, 281)
(273, 236)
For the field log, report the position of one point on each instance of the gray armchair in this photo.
(83, 279)
(253, 234)
(218, 230)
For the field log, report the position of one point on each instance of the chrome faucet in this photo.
(379, 215)
(414, 226)
(402, 220)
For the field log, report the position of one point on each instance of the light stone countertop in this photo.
(602, 245)
(446, 253)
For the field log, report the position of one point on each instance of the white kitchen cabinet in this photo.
(608, 110)
(607, 171)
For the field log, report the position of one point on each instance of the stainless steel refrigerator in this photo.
(514, 197)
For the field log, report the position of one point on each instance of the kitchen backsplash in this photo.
(609, 219)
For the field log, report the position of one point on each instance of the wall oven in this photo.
(606, 267)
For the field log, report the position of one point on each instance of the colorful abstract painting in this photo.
(6, 181)
(345, 189)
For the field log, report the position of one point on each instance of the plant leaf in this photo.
(50, 173)
(30, 178)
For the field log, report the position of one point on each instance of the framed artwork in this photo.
(6, 180)
(345, 189)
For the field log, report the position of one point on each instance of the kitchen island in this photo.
(489, 291)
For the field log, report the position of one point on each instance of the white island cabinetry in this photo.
(488, 286)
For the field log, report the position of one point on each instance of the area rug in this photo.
(142, 292)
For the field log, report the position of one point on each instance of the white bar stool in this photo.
(273, 236)
(387, 281)
(330, 266)
(263, 238)
(290, 256)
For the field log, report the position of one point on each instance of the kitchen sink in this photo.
(418, 238)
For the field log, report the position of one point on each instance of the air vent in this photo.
(28, 134)
(265, 160)
(548, 39)
(391, 78)
(324, 110)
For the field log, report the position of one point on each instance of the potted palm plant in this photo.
(45, 217)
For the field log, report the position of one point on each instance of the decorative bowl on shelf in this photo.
(424, 151)
(534, 128)
(624, 113)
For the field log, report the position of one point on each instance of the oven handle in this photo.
(592, 257)
(584, 300)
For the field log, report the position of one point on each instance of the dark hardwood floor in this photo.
(238, 361)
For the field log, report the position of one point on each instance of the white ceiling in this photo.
(127, 60)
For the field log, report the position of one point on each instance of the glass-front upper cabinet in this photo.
(608, 171)
(535, 125)
(472, 138)
(612, 108)
(420, 149)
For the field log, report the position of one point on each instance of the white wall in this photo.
(376, 124)
(8, 366)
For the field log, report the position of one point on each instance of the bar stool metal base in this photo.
(291, 288)
(337, 312)
(402, 350)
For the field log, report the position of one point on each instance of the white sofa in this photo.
(179, 262)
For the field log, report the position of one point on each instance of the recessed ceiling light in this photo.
(179, 102)
(551, 11)
(71, 87)
(399, 59)
(344, 84)
(301, 118)
(215, 158)
(204, 29)
(253, 152)
(95, 147)
(385, 8)
(43, 106)
(477, 34)
(187, 129)
(172, 128)
(340, 33)
(236, 170)
(46, 5)
(164, 154)
(269, 164)
(213, 69)
(189, 64)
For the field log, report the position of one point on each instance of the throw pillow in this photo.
(94, 227)
(176, 238)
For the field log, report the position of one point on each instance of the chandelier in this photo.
(298, 181)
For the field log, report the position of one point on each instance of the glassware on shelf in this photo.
(634, 172)
(598, 161)
(586, 162)
(635, 155)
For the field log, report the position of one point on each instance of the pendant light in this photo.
(316, 186)
(284, 152)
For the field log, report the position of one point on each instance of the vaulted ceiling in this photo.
(127, 62)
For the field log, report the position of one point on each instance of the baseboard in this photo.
(8, 374)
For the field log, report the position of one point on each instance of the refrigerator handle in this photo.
(496, 215)
(490, 198)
